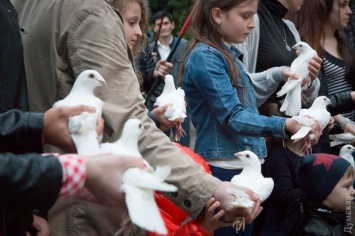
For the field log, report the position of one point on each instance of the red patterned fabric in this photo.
(74, 173)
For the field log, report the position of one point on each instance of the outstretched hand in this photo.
(55, 126)
(104, 178)
(231, 213)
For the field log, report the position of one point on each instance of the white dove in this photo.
(176, 112)
(139, 184)
(292, 88)
(306, 118)
(346, 152)
(251, 178)
(83, 127)
(341, 138)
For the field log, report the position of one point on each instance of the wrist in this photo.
(344, 121)
(74, 174)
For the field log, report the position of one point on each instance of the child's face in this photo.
(342, 194)
(131, 17)
(237, 23)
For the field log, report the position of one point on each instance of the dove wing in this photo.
(138, 199)
(265, 189)
(144, 179)
(288, 86)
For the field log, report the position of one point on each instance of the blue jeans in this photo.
(227, 175)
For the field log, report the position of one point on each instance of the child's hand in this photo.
(211, 220)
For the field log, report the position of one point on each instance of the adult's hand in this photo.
(162, 68)
(55, 126)
(104, 178)
(314, 66)
(231, 213)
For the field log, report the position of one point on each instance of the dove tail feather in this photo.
(294, 101)
(284, 104)
(301, 133)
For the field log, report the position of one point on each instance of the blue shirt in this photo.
(226, 118)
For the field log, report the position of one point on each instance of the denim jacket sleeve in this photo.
(208, 71)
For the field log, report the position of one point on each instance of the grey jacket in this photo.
(65, 37)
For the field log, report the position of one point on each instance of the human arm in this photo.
(207, 76)
(36, 181)
(22, 132)
(341, 102)
(123, 101)
(265, 83)
(346, 124)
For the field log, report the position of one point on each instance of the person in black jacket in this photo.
(327, 181)
(12, 72)
(29, 180)
(32, 180)
(153, 65)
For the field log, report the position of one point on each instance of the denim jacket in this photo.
(226, 118)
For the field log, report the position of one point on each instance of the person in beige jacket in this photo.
(61, 38)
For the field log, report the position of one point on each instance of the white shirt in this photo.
(163, 50)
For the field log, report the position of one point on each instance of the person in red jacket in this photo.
(177, 221)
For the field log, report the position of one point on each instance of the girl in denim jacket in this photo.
(221, 98)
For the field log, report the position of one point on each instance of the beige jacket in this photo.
(65, 37)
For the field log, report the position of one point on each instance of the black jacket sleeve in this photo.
(29, 180)
(341, 102)
(21, 132)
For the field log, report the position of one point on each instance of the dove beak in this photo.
(103, 83)
(294, 47)
(238, 154)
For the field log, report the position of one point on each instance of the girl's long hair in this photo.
(311, 23)
(206, 30)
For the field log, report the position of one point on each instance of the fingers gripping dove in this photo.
(306, 118)
(251, 178)
(139, 184)
(293, 87)
(83, 127)
(176, 97)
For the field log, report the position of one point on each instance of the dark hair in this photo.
(159, 15)
(205, 30)
(310, 22)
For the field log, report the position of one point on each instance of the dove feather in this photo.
(142, 209)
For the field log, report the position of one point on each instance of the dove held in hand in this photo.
(293, 87)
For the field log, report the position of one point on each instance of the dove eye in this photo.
(91, 76)
(247, 156)
(140, 125)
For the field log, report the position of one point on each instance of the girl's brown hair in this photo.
(205, 30)
(144, 4)
(311, 24)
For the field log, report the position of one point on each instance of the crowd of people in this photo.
(239, 56)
